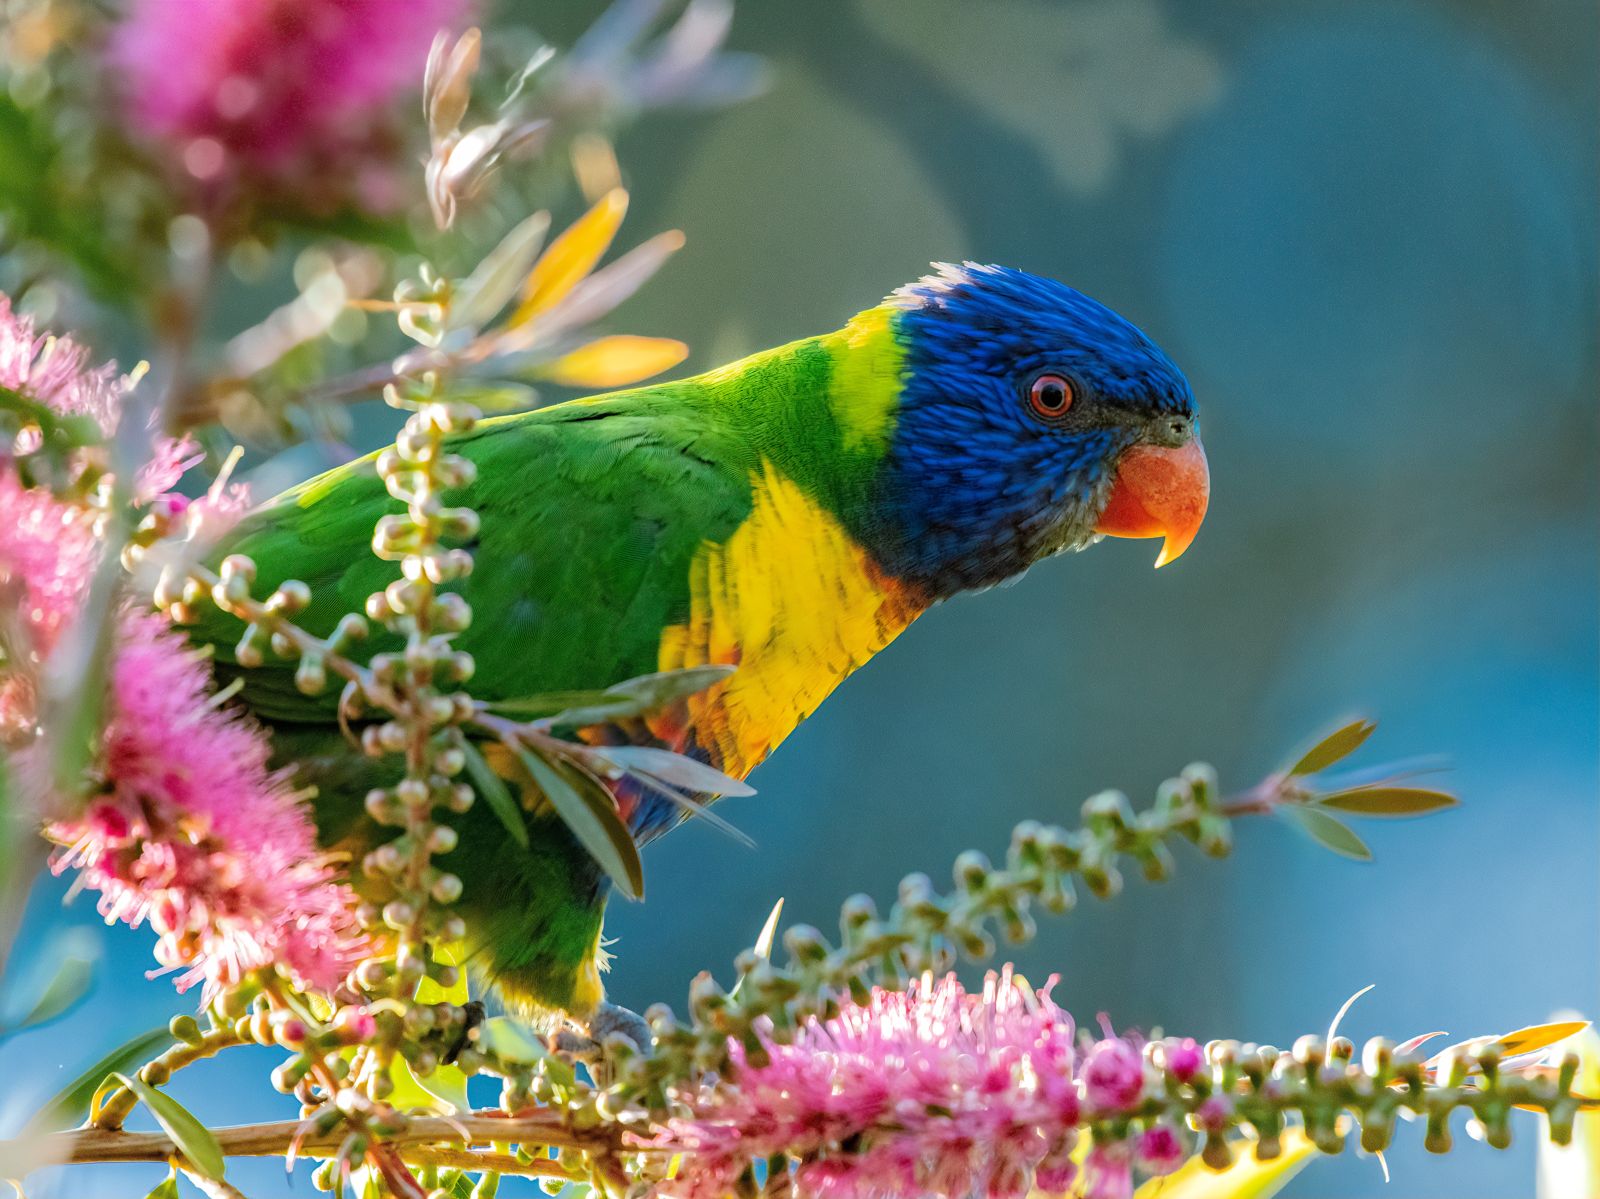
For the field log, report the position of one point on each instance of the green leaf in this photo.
(1388, 801)
(532, 707)
(627, 699)
(680, 771)
(495, 793)
(658, 690)
(451, 953)
(71, 1103)
(506, 1038)
(1340, 743)
(588, 715)
(591, 814)
(193, 1139)
(62, 992)
(481, 296)
(444, 1091)
(167, 1188)
(1330, 833)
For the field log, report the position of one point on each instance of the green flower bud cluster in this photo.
(929, 931)
(423, 721)
(1324, 1087)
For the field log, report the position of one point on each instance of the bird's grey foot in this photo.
(612, 1031)
(610, 1019)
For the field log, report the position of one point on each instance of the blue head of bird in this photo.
(1031, 420)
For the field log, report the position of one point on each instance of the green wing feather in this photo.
(590, 514)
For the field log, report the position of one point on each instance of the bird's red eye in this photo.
(1050, 396)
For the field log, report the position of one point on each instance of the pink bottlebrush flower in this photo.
(1183, 1058)
(1161, 1150)
(193, 832)
(1213, 1115)
(48, 549)
(354, 1025)
(55, 371)
(198, 835)
(937, 1091)
(1113, 1075)
(278, 92)
(1107, 1173)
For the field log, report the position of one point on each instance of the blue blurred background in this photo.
(1366, 231)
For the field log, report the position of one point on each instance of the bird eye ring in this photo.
(1050, 396)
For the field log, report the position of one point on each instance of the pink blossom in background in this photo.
(936, 1090)
(1107, 1173)
(198, 835)
(277, 91)
(1113, 1075)
(191, 830)
(1161, 1150)
(48, 549)
(55, 371)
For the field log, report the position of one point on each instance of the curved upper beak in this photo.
(1159, 491)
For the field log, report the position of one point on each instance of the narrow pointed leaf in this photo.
(70, 984)
(1411, 1044)
(167, 1188)
(532, 707)
(763, 946)
(447, 81)
(510, 1040)
(572, 256)
(695, 777)
(71, 1103)
(769, 932)
(658, 690)
(611, 284)
(586, 715)
(691, 805)
(1388, 801)
(591, 814)
(1337, 745)
(616, 361)
(193, 1139)
(1330, 833)
(496, 794)
(492, 284)
(1344, 1010)
(1539, 1036)
(629, 698)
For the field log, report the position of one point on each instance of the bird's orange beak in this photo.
(1159, 492)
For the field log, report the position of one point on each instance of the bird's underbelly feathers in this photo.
(792, 601)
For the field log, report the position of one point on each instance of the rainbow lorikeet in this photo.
(790, 513)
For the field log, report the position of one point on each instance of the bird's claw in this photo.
(598, 1047)
(610, 1019)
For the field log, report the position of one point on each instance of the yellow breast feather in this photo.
(796, 605)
